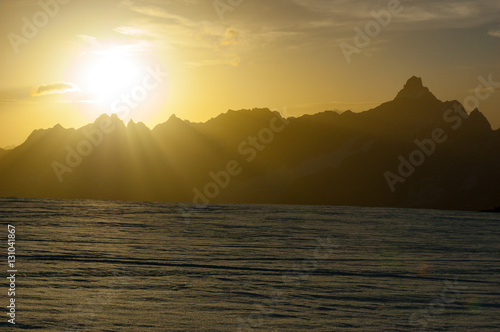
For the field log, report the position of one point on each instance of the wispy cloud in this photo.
(203, 42)
(54, 88)
(231, 37)
(14, 101)
(422, 14)
(494, 33)
(192, 29)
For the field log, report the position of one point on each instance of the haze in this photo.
(277, 54)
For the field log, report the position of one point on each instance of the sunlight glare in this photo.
(109, 73)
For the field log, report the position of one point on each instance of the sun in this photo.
(108, 73)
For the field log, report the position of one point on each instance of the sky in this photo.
(68, 61)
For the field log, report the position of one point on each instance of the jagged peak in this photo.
(136, 125)
(101, 117)
(113, 118)
(414, 89)
(414, 81)
(173, 120)
(174, 117)
(479, 120)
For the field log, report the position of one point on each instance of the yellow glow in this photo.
(108, 73)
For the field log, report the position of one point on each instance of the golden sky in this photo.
(68, 61)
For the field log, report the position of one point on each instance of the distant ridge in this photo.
(413, 151)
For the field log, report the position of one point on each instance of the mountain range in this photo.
(414, 151)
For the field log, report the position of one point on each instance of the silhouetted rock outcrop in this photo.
(497, 210)
(414, 89)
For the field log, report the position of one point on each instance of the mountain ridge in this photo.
(324, 158)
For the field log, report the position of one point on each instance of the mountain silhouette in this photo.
(414, 151)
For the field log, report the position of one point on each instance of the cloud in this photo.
(235, 60)
(12, 101)
(54, 88)
(203, 42)
(89, 40)
(494, 33)
(193, 27)
(231, 36)
(423, 14)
